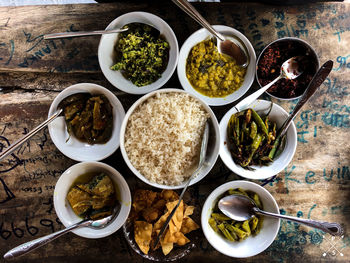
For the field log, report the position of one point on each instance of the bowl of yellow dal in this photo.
(211, 76)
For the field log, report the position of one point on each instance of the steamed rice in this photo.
(163, 137)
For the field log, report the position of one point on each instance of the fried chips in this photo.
(149, 213)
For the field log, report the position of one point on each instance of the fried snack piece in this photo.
(158, 225)
(150, 214)
(169, 195)
(143, 199)
(188, 210)
(166, 245)
(176, 221)
(181, 239)
(188, 225)
(143, 234)
(155, 208)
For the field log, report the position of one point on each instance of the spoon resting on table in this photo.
(226, 45)
(83, 33)
(241, 208)
(34, 244)
(290, 69)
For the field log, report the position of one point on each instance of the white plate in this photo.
(198, 37)
(253, 245)
(278, 115)
(65, 212)
(106, 53)
(75, 149)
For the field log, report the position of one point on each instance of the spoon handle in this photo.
(192, 12)
(332, 228)
(18, 143)
(243, 104)
(316, 81)
(82, 33)
(203, 151)
(36, 243)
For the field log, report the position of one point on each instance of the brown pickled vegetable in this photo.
(88, 117)
(252, 139)
(92, 196)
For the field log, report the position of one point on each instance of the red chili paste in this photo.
(270, 63)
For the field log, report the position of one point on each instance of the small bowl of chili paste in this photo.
(271, 59)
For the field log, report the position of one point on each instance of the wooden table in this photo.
(33, 71)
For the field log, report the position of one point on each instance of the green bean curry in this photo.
(236, 230)
(93, 196)
(252, 139)
(88, 117)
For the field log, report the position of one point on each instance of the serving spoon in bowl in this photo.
(290, 69)
(59, 112)
(202, 154)
(241, 208)
(230, 46)
(34, 244)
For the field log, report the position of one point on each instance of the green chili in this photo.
(254, 146)
(259, 122)
(253, 129)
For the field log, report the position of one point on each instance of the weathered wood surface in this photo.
(33, 71)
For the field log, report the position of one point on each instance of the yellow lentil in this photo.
(211, 73)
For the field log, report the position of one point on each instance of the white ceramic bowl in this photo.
(75, 149)
(199, 36)
(278, 115)
(106, 53)
(65, 212)
(212, 150)
(253, 245)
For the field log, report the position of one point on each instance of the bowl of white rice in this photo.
(161, 137)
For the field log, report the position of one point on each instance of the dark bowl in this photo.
(269, 64)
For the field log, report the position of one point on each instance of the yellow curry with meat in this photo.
(211, 73)
(92, 196)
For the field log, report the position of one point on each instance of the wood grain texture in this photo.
(33, 71)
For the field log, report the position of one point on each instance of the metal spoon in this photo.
(241, 208)
(226, 45)
(290, 69)
(316, 81)
(19, 142)
(202, 154)
(16, 144)
(83, 33)
(34, 244)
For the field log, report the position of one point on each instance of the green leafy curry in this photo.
(142, 54)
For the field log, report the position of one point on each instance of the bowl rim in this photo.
(159, 82)
(256, 174)
(278, 40)
(119, 113)
(136, 172)
(63, 208)
(220, 190)
(181, 67)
